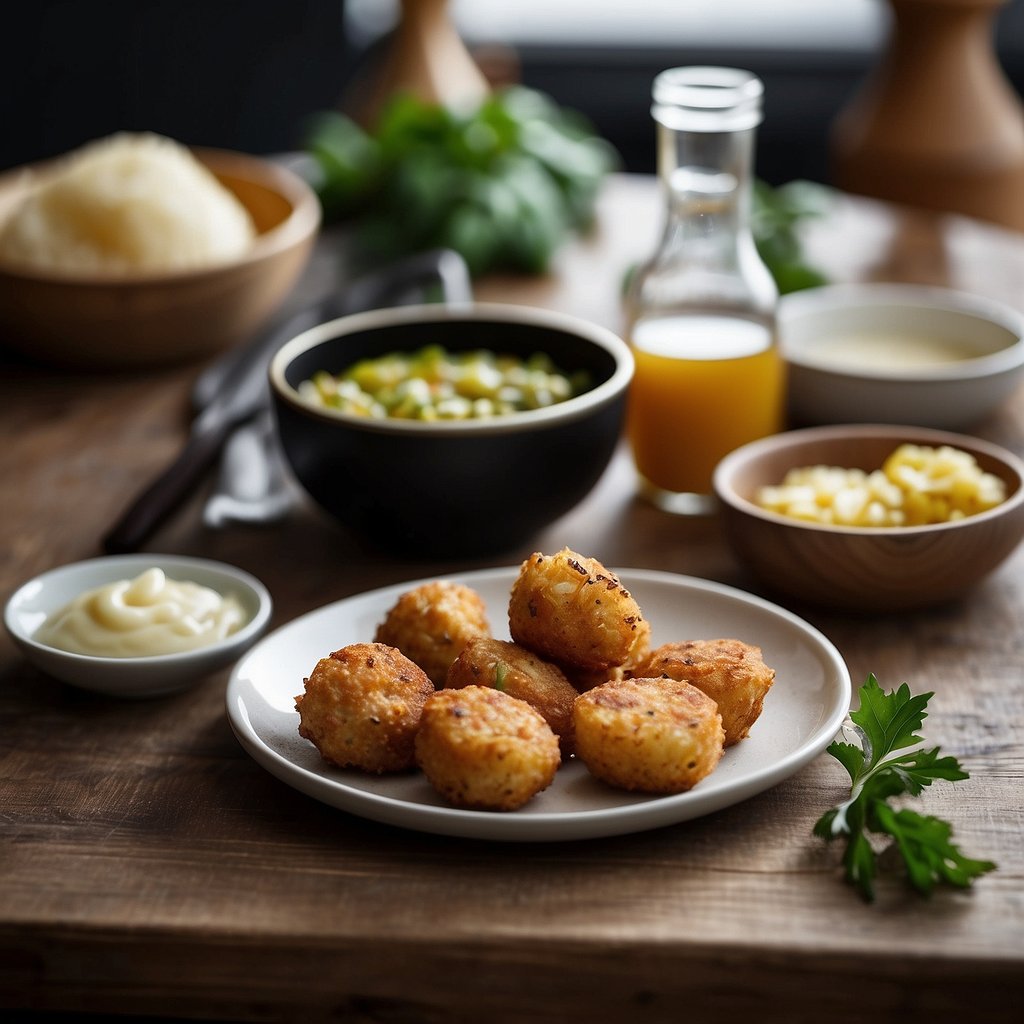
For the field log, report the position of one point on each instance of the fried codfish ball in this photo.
(485, 750)
(361, 708)
(648, 735)
(520, 673)
(431, 623)
(730, 672)
(587, 678)
(573, 611)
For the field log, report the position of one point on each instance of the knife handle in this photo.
(166, 493)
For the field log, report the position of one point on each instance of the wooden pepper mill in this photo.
(937, 123)
(425, 58)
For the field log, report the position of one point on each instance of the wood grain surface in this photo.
(149, 867)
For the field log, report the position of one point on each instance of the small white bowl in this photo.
(31, 604)
(825, 388)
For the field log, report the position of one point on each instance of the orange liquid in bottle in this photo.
(704, 385)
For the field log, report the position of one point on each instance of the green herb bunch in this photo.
(776, 215)
(881, 768)
(501, 184)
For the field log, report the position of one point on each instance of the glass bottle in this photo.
(701, 311)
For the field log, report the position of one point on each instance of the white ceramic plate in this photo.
(803, 712)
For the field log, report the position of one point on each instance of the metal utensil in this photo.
(235, 389)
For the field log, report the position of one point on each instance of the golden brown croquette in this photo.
(730, 672)
(586, 679)
(483, 749)
(431, 623)
(648, 735)
(572, 610)
(520, 673)
(361, 708)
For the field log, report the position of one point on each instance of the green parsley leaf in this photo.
(500, 670)
(882, 767)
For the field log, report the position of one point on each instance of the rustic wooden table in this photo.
(148, 866)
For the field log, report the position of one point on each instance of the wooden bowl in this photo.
(151, 319)
(864, 569)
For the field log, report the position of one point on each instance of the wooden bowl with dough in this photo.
(147, 319)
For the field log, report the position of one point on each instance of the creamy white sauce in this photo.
(146, 616)
(877, 350)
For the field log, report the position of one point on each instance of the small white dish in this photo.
(31, 604)
(893, 380)
(802, 714)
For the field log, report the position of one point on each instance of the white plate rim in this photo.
(523, 825)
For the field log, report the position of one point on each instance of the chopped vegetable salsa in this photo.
(434, 384)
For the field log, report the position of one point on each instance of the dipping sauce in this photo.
(149, 615)
(888, 351)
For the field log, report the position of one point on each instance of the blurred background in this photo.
(245, 74)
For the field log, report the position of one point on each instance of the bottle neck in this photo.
(707, 262)
(708, 181)
(707, 258)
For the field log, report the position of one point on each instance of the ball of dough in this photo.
(129, 203)
(485, 750)
(361, 708)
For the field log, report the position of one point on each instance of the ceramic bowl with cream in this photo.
(902, 354)
(137, 625)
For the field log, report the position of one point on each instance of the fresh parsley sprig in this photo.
(881, 766)
(503, 183)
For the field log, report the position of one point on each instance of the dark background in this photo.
(244, 74)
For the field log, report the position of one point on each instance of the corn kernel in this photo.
(916, 485)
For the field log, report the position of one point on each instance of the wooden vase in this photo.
(426, 58)
(937, 124)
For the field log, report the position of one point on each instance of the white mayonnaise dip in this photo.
(146, 616)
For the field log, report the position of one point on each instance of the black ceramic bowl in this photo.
(453, 488)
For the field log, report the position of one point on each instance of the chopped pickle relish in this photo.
(434, 384)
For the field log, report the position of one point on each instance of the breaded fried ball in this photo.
(483, 749)
(520, 673)
(648, 735)
(730, 672)
(431, 623)
(361, 708)
(587, 678)
(573, 611)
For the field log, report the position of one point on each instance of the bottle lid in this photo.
(707, 99)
